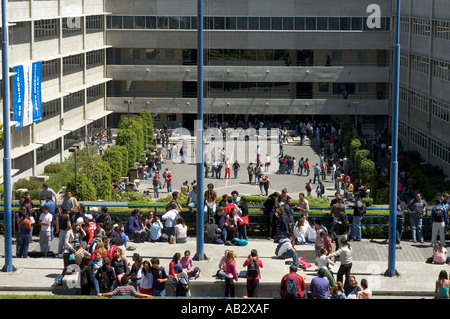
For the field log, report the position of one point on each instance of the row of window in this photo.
(247, 23)
(53, 108)
(441, 70)
(439, 109)
(424, 27)
(72, 63)
(420, 139)
(49, 28)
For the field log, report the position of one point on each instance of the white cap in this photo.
(80, 220)
(94, 209)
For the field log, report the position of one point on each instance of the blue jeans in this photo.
(24, 244)
(159, 293)
(61, 239)
(356, 228)
(291, 254)
(169, 187)
(191, 206)
(155, 192)
(416, 227)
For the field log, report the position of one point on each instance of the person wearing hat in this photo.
(180, 283)
(94, 213)
(70, 203)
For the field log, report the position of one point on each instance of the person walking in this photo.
(439, 218)
(359, 209)
(253, 264)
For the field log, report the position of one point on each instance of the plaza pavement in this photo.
(416, 278)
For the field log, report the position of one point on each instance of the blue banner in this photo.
(27, 97)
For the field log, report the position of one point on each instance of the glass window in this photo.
(139, 22)
(230, 23)
(345, 24)
(242, 23)
(185, 22)
(264, 23)
(162, 22)
(277, 23)
(194, 21)
(310, 23)
(322, 23)
(333, 23)
(299, 23)
(324, 87)
(356, 23)
(208, 23)
(150, 22)
(128, 22)
(174, 22)
(288, 23)
(253, 23)
(219, 23)
(117, 22)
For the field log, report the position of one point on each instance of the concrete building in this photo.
(68, 37)
(424, 113)
(261, 58)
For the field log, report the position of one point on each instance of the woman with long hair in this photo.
(231, 274)
(442, 286)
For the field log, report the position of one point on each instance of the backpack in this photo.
(183, 285)
(308, 187)
(438, 214)
(280, 243)
(253, 268)
(291, 286)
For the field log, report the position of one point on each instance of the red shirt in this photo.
(300, 285)
(260, 265)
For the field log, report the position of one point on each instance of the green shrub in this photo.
(84, 190)
(53, 168)
(367, 170)
(128, 139)
(117, 159)
(360, 155)
(30, 184)
(99, 173)
(147, 122)
(355, 145)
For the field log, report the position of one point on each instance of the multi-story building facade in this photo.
(68, 37)
(289, 60)
(424, 112)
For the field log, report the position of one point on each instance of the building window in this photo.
(95, 93)
(441, 70)
(50, 69)
(73, 100)
(404, 59)
(94, 23)
(421, 27)
(404, 24)
(94, 58)
(72, 26)
(419, 101)
(402, 129)
(441, 110)
(44, 29)
(440, 150)
(418, 138)
(403, 94)
(420, 64)
(442, 30)
(73, 63)
(48, 151)
(51, 109)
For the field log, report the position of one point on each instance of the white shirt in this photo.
(45, 218)
(180, 231)
(285, 247)
(170, 217)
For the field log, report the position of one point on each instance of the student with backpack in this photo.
(253, 264)
(180, 283)
(439, 218)
(292, 285)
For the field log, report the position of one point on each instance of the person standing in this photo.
(45, 221)
(292, 285)
(168, 178)
(401, 207)
(253, 264)
(64, 227)
(416, 208)
(250, 172)
(24, 228)
(236, 168)
(345, 255)
(316, 173)
(439, 218)
(359, 209)
(231, 274)
(227, 169)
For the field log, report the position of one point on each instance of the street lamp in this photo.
(356, 104)
(128, 102)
